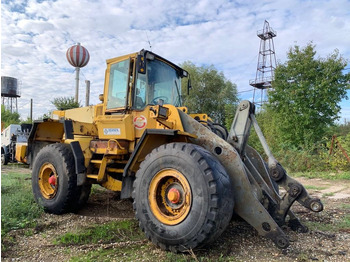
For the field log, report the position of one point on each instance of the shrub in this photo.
(337, 161)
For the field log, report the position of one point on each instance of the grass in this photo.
(328, 194)
(312, 187)
(345, 206)
(339, 225)
(115, 231)
(18, 208)
(144, 252)
(324, 175)
(128, 244)
(345, 223)
(303, 257)
(128, 253)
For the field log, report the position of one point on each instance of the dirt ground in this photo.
(239, 242)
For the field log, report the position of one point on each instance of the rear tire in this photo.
(4, 160)
(54, 181)
(182, 197)
(4, 157)
(220, 130)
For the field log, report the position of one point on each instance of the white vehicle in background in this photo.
(10, 137)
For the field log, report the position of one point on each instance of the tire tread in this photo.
(62, 153)
(220, 200)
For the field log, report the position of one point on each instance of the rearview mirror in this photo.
(189, 86)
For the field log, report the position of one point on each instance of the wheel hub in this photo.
(48, 181)
(52, 180)
(170, 196)
(174, 195)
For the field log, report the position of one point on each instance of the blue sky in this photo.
(36, 35)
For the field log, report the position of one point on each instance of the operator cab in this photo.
(143, 79)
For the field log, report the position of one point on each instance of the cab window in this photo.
(140, 92)
(161, 82)
(118, 83)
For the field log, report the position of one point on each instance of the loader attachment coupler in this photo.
(255, 183)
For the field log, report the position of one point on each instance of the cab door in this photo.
(118, 85)
(116, 123)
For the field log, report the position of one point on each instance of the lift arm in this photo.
(256, 199)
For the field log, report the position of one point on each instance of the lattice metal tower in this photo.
(265, 72)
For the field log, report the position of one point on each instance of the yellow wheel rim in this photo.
(48, 183)
(170, 196)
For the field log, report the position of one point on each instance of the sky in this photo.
(35, 35)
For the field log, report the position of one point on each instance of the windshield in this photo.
(161, 82)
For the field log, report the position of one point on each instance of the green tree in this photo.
(64, 103)
(8, 117)
(340, 129)
(268, 125)
(27, 121)
(211, 93)
(306, 95)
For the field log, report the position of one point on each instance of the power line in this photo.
(245, 91)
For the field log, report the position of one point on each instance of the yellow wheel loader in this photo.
(186, 175)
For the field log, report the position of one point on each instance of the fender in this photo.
(43, 132)
(46, 132)
(150, 139)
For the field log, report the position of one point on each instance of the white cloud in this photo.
(35, 27)
(35, 37)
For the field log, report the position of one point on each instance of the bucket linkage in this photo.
(255, 182)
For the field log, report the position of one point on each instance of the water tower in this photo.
(78, 56)
(9, 93)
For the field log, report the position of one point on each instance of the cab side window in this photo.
(118, 83)
(140, 92)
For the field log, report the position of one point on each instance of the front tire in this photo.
(54, 181)
(182, 197)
